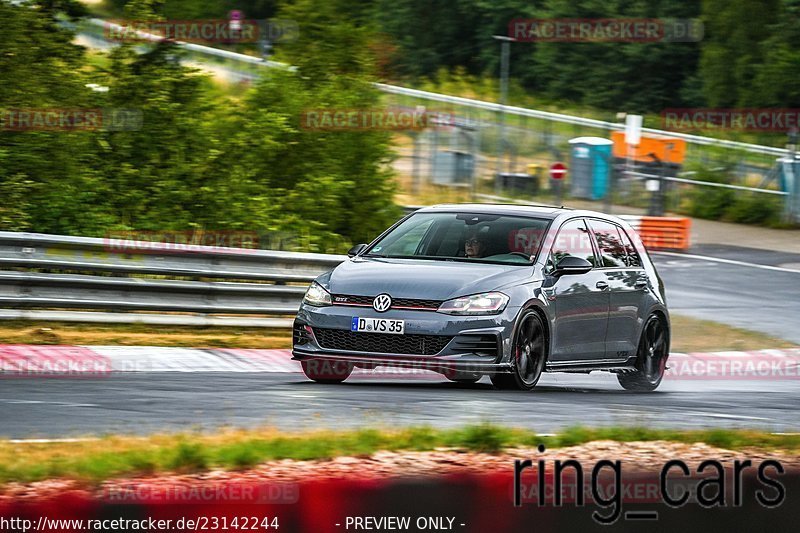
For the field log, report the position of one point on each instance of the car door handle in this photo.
(602, 285)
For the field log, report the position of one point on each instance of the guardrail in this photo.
(48, 276)
(84, 279)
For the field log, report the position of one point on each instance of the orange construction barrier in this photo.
(668, 149)
(662, 233)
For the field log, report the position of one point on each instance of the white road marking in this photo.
(720, 415)
(49, 441)
(728, 261)
(60, 404)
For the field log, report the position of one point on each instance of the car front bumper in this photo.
(455, 356)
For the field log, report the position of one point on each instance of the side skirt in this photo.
(608, 365)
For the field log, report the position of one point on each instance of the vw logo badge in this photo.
(382, 302)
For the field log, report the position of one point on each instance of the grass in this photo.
(688, 335)
(92, 461)
(694, 335)
(26, 332)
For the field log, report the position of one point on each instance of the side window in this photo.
(633, 256)
(612, 252)
(573, 239)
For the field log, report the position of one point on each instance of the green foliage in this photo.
(635, 77)
(201, 159)
(733, 48)
(115, 456)
(15, 208)
(755, 208)
(711, 202)
(189, 456)
(775, 82)
(201, 9)
(747, 57)
(484, 437)
(717, 203)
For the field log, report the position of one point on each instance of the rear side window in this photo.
(573, 239)
(633, 258)
(612, 251)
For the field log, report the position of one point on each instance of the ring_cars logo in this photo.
(382, 303)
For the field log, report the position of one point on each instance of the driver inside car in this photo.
(475, 244)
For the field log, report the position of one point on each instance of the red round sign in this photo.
(558, 171)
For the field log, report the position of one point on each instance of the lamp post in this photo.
(504, 59)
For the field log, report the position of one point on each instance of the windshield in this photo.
(463, 237)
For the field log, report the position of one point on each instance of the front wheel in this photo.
(326, 371)
(651, 360)
(528, 355)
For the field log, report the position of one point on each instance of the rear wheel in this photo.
(326, 371)
(651, 359)
(528, 355)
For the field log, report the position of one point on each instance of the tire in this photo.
(326, 371)
(529, 355)
(651, 358)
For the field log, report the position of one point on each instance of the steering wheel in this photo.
(521, 254)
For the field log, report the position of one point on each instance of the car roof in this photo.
(539, 211)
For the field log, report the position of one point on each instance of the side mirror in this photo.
(355, 250)
(571, 265)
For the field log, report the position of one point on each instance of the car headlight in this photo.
(316, 295)
(490, 303)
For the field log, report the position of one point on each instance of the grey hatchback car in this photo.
(508, 291)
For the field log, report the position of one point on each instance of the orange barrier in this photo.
(662, 233)
(668, 149)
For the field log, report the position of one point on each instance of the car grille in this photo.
(349, 299)
(414, 344)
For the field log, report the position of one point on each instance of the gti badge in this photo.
(382, 302)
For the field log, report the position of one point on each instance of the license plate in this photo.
(378, 325)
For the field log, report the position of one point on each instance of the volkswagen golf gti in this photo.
(500, 290)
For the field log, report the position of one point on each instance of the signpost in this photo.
(633, 136)
(558, 171)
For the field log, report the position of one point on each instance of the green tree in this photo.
(776, 83)
(43, 173)
(633, 77)
(732, 48)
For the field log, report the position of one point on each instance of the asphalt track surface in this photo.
(752, 289)
(762, 299)
(152, 402)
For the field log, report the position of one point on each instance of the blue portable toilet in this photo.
(789, 182)
(590, 167)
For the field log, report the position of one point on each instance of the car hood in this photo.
(423, 279)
